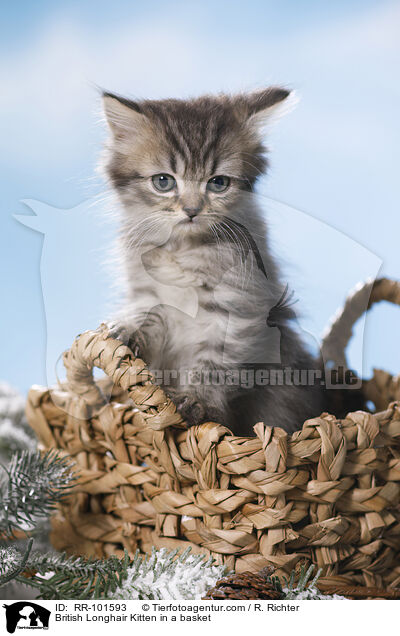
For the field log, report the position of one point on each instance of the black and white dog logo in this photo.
(26, 615)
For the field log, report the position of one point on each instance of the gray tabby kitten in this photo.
(205, 306)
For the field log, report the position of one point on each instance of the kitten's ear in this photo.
(123, 115)
(265, 106)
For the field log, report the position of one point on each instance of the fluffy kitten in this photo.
(203, 290)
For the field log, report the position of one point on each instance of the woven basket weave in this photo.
(329, 493)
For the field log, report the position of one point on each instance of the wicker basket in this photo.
(329, 493)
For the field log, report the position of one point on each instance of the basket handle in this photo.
(360, 300)
(99, 349)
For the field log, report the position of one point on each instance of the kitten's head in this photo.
(187, 162)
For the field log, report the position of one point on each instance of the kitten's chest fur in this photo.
(214, 304)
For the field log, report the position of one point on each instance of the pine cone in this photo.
(245, 586)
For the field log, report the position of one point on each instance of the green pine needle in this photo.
(293, 589)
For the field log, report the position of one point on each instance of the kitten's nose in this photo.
(191, 212)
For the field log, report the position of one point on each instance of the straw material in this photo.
(329, 493)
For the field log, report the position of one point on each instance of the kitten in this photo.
(203, 289)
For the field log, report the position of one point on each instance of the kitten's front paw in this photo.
(191, 410)
(133, 340)
(194, 412)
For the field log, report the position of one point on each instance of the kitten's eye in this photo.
(163, 182)
(218, 184)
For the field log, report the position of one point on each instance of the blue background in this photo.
(334, 159)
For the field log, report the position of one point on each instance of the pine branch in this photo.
(57, 576)
(30, 487)
(161, 575)
(169, 575)
(12, 563)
